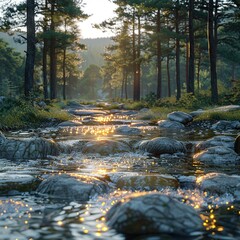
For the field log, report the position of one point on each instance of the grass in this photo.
(16, 114)
(230, 116)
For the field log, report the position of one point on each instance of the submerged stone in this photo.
(146, 182)
(69, 124)
(181, 117)
(217, 156)
(220, 183)
(72, 187)
(105, 147)
(152, 214)
(218, 141)
(162, 145)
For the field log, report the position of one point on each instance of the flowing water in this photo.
(29, 216)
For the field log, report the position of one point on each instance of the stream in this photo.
(28, 215)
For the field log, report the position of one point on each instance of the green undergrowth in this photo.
(16, 114)
(230, 116)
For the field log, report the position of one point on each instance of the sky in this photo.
(99, 10)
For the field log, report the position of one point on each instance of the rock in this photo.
(197, 113)
(237, 144)
(139, 124)
(217, 156)
(187, 181)
(153, 214)
(70, 124)
(221, 141)
(146, 182)
(27, 148)
(105, 147)
(181, 117)
(87, 112)
(219, 183)
(162, 145)
(72, 187)
(17, 182)
(170, 124)
(127, 130)
(224, 125)
(227, 108)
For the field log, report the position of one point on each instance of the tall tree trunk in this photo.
(64, 73)
(134, 59)
(168, 76)
(178, 83)
(191, 48)
(138, 61)
(44, 58)
(212, 53)
(30, 58)
(198, 71)
(187, 55)
(159, 57)
(126, 84)
(53, 55)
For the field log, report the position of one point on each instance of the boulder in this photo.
(162, 145)
(69, 124)
(87, 112)
(19, 182)
(224, 125)
(217, 156)
(146, 182)
(170, 124)
(219, 183)
(237, 144)
(105, 147)
(27, 148)
(153, 214)
(181, 117)
(126, 130)
(221, 141)
(72, 187)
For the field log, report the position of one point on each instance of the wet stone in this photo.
(217, 156)
(27, 148)
(10, 182)
(170, 124)
(72, 187)
(69, 124)
(181, 117)
(105, 147)
(221, 141)
(153, 213)
(127, 130)
(224, 125)
(220, 183)
(162, 145)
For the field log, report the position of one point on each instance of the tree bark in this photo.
(159, 57)
(138, 72)
(190, 88)
(212, 53)
(30, 56)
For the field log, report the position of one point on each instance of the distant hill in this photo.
(95, 49)
(93, 54)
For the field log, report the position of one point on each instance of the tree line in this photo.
(52, 39)
(163, 47)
